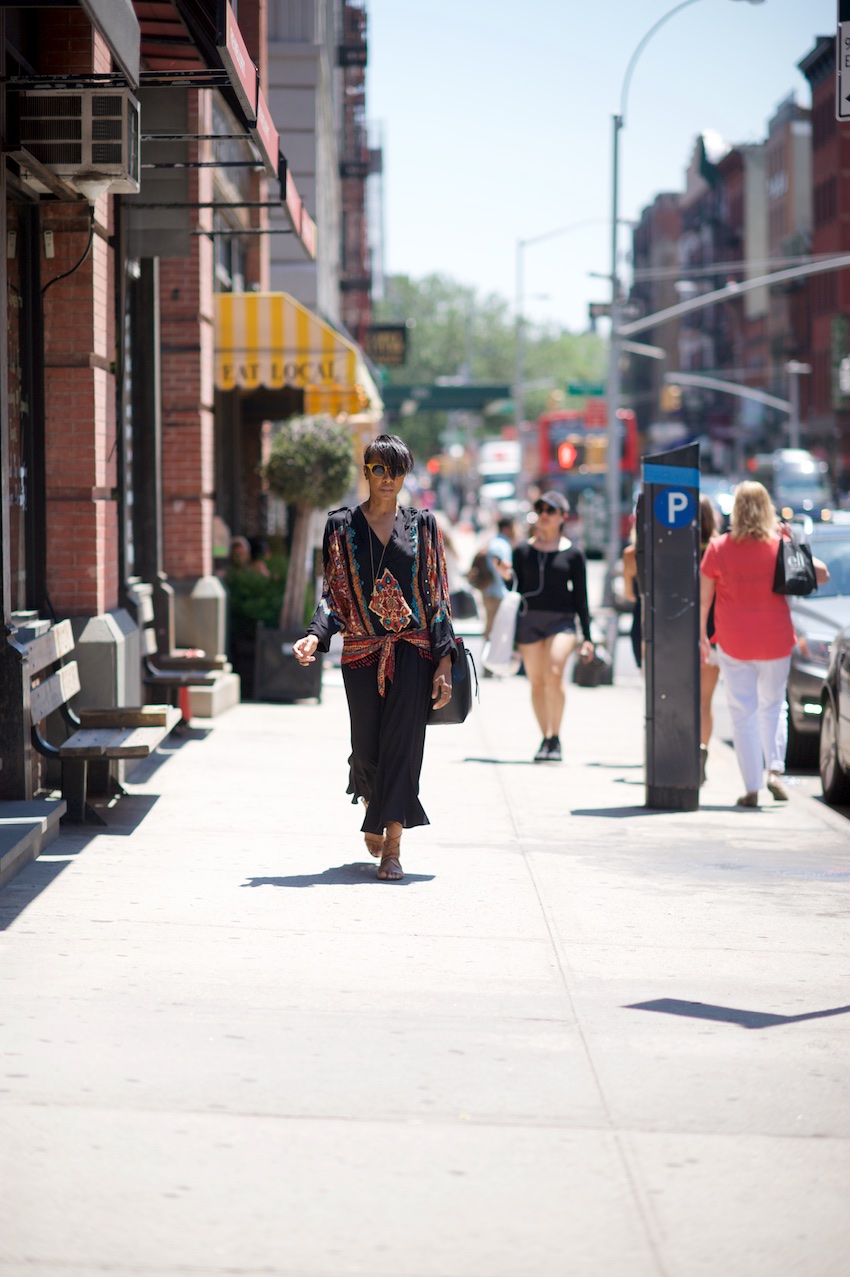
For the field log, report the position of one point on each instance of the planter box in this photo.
(277, 674)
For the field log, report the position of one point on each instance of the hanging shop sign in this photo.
(387, 344)
(236, 60)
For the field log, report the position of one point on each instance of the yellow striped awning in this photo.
(271, 340)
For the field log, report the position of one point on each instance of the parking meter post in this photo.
(668, 533)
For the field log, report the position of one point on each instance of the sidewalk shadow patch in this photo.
(122, 816)
(27, 885)
(172, 745)
(618, 813)
(618, 767)
(503, 762)
(353, 875)
(730, 1015)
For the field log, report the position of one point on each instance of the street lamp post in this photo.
(795, 370)
(615, 349)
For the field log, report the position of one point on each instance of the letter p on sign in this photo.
(675, 507)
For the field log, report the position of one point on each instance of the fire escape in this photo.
(356, 163)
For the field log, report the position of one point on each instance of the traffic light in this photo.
(567, 453)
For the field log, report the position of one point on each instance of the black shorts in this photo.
(533, 626)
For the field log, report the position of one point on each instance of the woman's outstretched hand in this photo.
(304, 650)
(441, 687)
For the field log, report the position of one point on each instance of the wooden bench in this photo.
(171, 672)
(96, 734)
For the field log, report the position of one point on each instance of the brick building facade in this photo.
(108, 433)
(829, 415)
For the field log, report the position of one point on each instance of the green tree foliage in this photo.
(311, 462)
(457, 330)
(311, 465)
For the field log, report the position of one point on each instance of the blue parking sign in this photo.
(675, 507)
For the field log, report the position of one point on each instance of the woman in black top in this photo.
(551, 577)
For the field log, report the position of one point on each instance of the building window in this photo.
(823, 123)
(826, 201)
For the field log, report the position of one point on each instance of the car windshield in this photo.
(835, 553)
(802, 485)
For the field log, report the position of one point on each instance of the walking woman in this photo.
(709, 670)
(754, 637)
(386, 589)
(552, 578)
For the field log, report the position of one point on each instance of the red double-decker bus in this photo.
(572, 456)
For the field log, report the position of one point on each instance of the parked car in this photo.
(817, 620)
(721, 489)
(834, 758)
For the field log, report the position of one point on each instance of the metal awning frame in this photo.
(211, 78)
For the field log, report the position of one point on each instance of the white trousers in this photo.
(755, 691)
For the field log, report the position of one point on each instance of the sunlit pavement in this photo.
(580, 1038)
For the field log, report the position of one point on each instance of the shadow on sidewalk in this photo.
(504, 762)
(731, 1015)
(353, 875)
(621, 813)
(172, 745)
(27, 885)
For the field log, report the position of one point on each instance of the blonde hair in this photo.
(753, 514)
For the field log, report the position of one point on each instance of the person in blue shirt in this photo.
(499, 560)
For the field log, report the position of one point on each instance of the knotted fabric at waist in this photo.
(364, 650)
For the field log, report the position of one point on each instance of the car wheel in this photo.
(802, 749)
(833, 778)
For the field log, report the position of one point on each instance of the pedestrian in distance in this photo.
(240, 553)
(386, 590)
(259, 556)
(631, 593)
(754, 636)
(551, 577)
(710, 669)
(499, 562)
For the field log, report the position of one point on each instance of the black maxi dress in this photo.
(396, 625)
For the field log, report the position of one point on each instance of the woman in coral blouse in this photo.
(753, 636)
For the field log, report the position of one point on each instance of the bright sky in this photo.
(496, 120)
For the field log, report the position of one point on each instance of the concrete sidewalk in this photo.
(579, 1040)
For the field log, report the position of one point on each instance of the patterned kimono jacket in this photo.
(380, 596)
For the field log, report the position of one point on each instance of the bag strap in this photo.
(470, 659)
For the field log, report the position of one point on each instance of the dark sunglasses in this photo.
(378, 469)
(541, 508)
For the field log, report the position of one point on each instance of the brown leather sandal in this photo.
(374, 844)
(390, 869)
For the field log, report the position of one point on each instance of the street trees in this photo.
(458, 332)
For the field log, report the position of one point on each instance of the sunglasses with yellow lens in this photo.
(377, 469)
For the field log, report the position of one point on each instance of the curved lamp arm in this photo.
(624, 92)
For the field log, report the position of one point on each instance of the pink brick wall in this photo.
(82, 520)
(186, 293)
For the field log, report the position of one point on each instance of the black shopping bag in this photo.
(795, 570)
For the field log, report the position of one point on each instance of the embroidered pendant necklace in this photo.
(375, 574)
(387, 602)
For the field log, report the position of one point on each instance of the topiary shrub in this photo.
(311, 465)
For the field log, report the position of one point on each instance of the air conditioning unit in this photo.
(84, 136)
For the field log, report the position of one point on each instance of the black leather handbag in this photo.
(458, 708)
(795, 571)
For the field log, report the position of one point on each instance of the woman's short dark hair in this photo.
(393, 452)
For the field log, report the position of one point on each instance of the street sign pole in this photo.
(842, 62)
